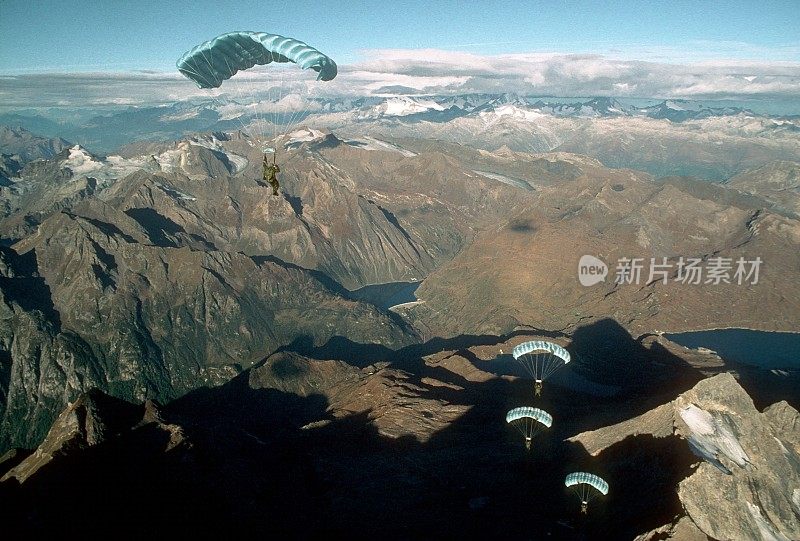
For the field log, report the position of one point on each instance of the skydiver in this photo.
(537, 387)
(270, 174)
(584, 507)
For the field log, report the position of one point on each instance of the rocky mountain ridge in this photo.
(370, 448)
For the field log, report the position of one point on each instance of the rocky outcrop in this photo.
(28, 146)
(745, 486)
(92, 419)
(683, 529)
(395, 403)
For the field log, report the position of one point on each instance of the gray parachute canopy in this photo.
(212, 62)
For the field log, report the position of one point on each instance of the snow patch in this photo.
(513, 112)
(399, 106)
(176, 194)
(369, 143)
(700, 449)
(712, 435)
(403, 106)
(765, 528)
(515, 182)
(80, 161)
(212, 143)
(304, 135)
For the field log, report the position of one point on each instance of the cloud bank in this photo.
(431, 71)
(552, 74)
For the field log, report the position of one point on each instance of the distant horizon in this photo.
(90, 51)
(121, 90)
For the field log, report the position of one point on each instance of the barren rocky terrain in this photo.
(173, 335)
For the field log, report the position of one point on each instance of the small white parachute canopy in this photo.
(530, 413)
(529, 421)
(582, 478)
(540, 358)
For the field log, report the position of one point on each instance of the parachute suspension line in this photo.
(583, 492)
(238, 95)
(301, 114)
(275, 98)
(281, 116)
(541, 359)
(239, 85)
(547, 360)
(260, 122)
(216, 99)
(238, 91)
(210, 93)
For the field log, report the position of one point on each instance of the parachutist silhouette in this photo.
(537, 387)
(584, 507)
(270, 174)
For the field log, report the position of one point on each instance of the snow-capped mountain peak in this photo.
(80, 161)
(400, 106)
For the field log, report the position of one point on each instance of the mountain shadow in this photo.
(247, 458)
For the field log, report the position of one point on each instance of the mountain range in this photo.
(167, 322)
(674, 137)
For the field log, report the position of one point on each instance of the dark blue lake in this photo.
(384, 296)
(764, 349)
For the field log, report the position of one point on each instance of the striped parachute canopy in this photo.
(529, 421)
(212, 62)
(540, 358)
(585, 484)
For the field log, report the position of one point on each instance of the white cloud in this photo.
(573, 75)
(280, 106)
(436, 71)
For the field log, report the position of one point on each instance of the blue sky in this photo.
(112, 35)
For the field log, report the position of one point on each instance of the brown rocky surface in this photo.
(178, 277)
(524, 272)
(17, 141)
(778, 182)
(177, 268)
(683, 529)
(92, 419)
